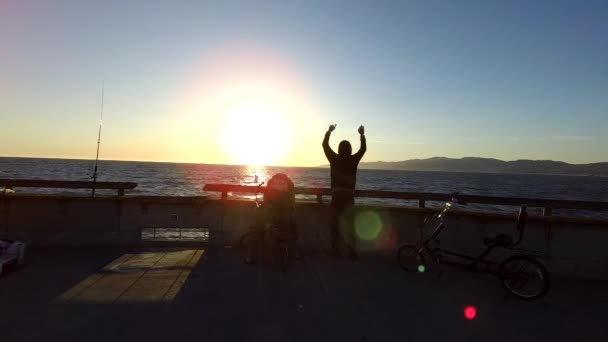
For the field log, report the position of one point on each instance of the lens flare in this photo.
(368, 225)
(389, 238)
(470, 312)
(421, 268)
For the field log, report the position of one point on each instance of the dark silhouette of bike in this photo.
(521, 275)
(273, 227)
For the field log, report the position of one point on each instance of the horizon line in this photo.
(151, 161)
(311, 166)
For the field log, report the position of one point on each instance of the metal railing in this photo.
(548, 205)
(120, 187)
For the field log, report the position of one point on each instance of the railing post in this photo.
(224, 195)
(319, 198)
(421, 203)
(121, 192)
(547, 211)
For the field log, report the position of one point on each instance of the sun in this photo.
(256, 134)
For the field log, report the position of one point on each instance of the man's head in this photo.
(344, 149)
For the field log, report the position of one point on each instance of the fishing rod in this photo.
(98, 142)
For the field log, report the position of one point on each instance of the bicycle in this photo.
(275, 231)
(521, 275)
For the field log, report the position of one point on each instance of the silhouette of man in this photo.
(343, 179)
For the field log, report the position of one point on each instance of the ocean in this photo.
(181, 179)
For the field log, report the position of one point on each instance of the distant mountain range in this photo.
(473, 164)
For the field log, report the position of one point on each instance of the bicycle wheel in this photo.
(285, 257)
(245, 240)
(281, 256)
(410, 258)
(524, 277)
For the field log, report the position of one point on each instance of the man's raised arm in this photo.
(363, 147)
(329, 153)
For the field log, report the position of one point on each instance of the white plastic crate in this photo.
(11, 252)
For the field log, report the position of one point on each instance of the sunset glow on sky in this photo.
(258, 82)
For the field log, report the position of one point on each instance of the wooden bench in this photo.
(61, 184)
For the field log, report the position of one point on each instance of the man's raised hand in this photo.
(361, 130)
(331, 128)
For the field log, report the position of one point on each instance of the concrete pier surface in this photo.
(317, 299)
(568, 246)
(90, 276)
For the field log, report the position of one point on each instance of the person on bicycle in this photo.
(343, 180)
(277, 208)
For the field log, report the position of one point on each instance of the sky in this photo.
(258, 82)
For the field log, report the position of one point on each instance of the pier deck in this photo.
(319, 298)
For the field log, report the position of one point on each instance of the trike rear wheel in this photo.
(524, 277)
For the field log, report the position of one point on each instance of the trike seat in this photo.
(504, 240)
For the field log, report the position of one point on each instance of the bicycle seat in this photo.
(278, 233)
(500, 240)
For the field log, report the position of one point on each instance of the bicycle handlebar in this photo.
(456, 200)
(448, 205)
(257, 190)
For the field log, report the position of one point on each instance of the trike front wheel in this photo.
(410, 258)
